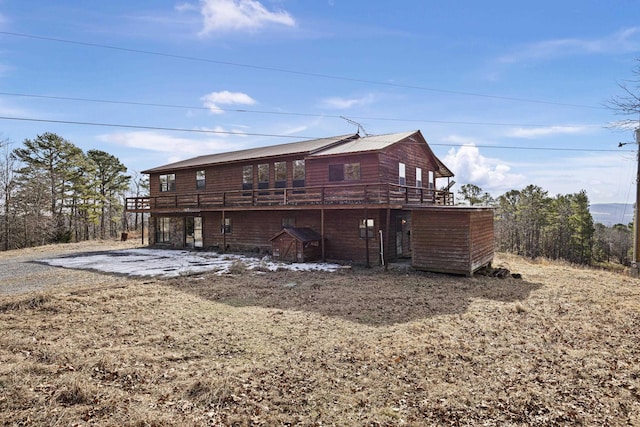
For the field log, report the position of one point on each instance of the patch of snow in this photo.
(173, 263)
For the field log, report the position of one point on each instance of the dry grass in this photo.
(357, 347)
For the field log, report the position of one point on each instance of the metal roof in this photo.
(331, 146)
(302, 147)
(366, 143)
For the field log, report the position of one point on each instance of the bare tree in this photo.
(7, 188)
(628, 103)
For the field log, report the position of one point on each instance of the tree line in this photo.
(531, 223)
(51, 191)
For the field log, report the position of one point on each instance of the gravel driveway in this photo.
(20, 272)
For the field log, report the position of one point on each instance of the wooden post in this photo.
(322, 234)
(366, 236)
(224, 234)
(387, 249)
(635, 265)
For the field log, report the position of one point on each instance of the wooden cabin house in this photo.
(359, 194)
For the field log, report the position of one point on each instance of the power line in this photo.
(298, 137)
(232, 110)
(296, 72)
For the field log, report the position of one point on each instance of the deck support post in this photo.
(366, 236)
(322, 235)
(386, 252)
(224, 233)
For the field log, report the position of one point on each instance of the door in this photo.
(399, 237)
(193, 232)
(403, 236)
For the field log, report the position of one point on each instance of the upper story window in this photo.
(200, 180)
(418, 177)
(431, 180)
(344, 172)
(168, 182)
(247, 177)
(280, 169)
(402, 174)
(299, 173)
(263, 175)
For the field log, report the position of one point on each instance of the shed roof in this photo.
(292, 148)
(302, 234)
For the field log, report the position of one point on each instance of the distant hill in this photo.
(612, 213)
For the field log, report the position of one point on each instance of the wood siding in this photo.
(219, 178)
(452, 240)
(413, 155)
(251, 231)
(318, 169)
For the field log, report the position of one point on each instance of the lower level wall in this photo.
(251, 231)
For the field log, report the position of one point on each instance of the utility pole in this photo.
(635, 264)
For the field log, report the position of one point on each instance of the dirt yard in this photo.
(357, 347)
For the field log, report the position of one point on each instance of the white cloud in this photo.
(215, 99)
(535, 132)
(345, 103)
(158, 142)
(623, 41)
(238, 15)
(470, 167)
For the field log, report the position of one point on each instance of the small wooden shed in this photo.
(296, 245)
(457, 240)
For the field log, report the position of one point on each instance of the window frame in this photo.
(402, 174)
(163, 229)
(280, 168)
(419, 177)
(226, 226)
(369, 225)
(262, 169)
(167, 182)
(201, 179)
(341, 172)
(247, 177)
(299, 169)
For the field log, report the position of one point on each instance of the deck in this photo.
(277, 198)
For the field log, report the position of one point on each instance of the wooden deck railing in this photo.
(327, 195)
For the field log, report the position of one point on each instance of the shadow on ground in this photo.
(367, 296)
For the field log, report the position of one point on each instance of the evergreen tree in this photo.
(52, 159)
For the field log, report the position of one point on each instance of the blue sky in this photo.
(507, 93)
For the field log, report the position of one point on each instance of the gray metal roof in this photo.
(302, 147)
(366, 143)
(336, 145)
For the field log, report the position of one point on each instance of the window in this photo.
(298, 173)
(352, 172)
(247, 177)
(366, 226)
(280, 169)
(418, 177)
(168, 182)
(288, 222)
(225, 226)
(336, 172)
(402, 174)
(200, 180)
(431, 183)
(263, 175)
(163, 230)
(345, 172)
